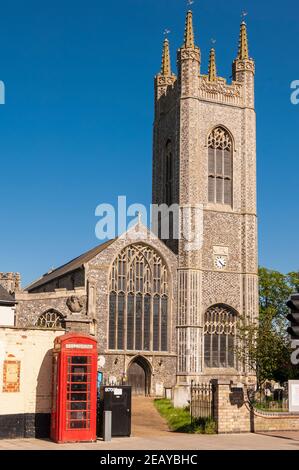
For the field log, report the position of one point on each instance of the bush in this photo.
(179, 419)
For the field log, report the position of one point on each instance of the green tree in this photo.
(274, 290)
(293, 281)
(264, 346)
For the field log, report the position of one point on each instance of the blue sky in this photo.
(76, 129)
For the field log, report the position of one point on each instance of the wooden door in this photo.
(137, 379)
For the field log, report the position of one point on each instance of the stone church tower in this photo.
(205, 157)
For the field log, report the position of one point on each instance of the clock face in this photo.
(220, 262)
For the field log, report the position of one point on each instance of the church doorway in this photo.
(139, 376)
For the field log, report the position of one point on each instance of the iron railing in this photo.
(270, 398)
(202, 401)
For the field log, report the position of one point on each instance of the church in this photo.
(165, 315)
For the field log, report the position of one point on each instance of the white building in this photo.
(7, 308)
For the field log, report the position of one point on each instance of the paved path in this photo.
(172, 441)
(150, 432)
(146, 421)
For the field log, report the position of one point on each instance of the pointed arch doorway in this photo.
(139, 376)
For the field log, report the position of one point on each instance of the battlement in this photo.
(10, 281)
(220, 91)
(190, 82)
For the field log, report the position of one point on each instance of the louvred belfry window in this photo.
(138, 301)
(220, 161)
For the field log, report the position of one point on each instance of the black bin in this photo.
(117, 399)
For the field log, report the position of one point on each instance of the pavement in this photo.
(169, 442)
(150, 432)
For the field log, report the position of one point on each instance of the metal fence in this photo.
(270, 398)
(201, 404)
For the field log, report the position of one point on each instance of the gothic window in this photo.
(219, 337)
(50, 319)
(220, 148)
(138, 301)
(168, 174)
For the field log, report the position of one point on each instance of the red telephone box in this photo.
(74, 399)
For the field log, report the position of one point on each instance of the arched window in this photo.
(220, 166)
(50, 319)
(138, 301)
(168, 174)
(219, 337)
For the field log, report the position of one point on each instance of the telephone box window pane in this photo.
(79, 378)
(78, 425)
(78, 370)
(80, 360)
(80, 387)
(78, 415)
(78, 405)
(78, 396)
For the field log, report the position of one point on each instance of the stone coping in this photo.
(29, 328)
(277, 414)
(57, 293)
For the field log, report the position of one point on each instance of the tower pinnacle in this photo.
(189, 33)
(166, 64)
(212, 66)
(243, 42)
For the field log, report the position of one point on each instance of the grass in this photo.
(179, 419)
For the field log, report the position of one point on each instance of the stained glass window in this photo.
(138, 301)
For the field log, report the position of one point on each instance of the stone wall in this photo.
(162, 367)
(267, 422)
(234, 413)
(31, 305)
